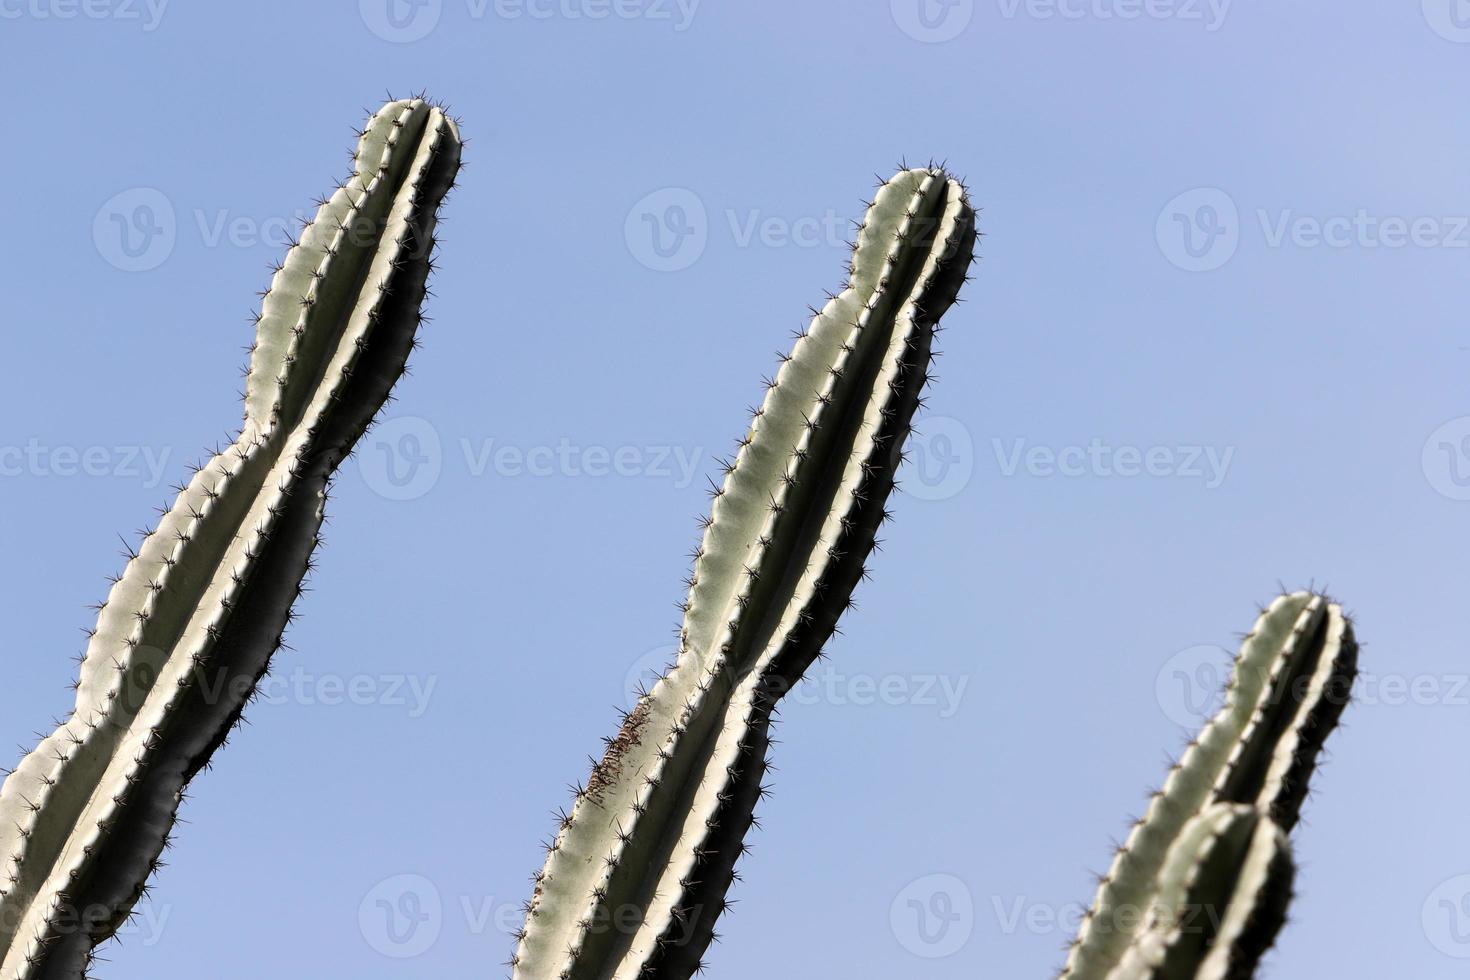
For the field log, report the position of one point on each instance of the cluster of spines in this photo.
(1292, 679)
(122, 669)
(733, 789)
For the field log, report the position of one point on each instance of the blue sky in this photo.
(1217, 344)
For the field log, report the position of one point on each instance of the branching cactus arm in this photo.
(1222, 896)
(637, 876)
(1292, 679)
(190, 627)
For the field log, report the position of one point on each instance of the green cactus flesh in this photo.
(1201, 886)
(190, 627)
(638, 874)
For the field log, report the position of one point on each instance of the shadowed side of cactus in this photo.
(1201, 887)
(637, 876)
(191, 625)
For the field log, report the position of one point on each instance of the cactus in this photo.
(191, 625)
(637, 876)
(1201, 886)
(638, 873)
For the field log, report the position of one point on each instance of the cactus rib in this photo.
(1291, 681)
(190, 627)
(637, 876)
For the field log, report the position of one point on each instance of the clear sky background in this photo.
(1217, 344)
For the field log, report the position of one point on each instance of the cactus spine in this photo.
(190, 627)
(638, 873)
(1201, 887)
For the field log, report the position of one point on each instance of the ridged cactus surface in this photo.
(191, 625)
(1201, 886)
(638, 874)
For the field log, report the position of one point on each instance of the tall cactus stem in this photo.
(637, 876)
(190, 627)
